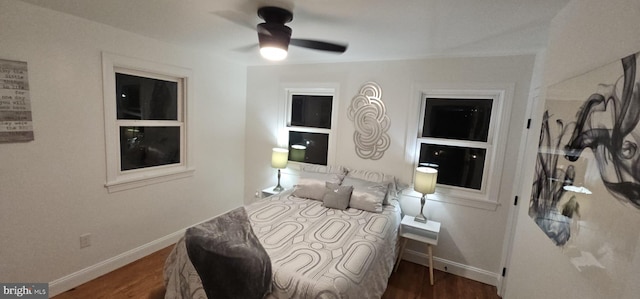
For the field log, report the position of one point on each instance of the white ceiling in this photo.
(374, 29)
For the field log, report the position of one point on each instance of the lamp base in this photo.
(420, 217)
(278, 188)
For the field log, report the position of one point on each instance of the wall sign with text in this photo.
(15, 104)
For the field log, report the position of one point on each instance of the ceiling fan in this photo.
(274, 36)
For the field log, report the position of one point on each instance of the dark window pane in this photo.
(457, 166)
(463, 119)
(316, 147)
(142, 147)
(146, 98)
(311, 111)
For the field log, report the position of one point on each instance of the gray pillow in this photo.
(336, 196)
(378, 177)
(312, 184)
(367, 196)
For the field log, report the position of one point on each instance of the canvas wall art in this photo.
(586, 189)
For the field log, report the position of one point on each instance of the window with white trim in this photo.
(457, 135)
(310, 124)
(145, 122)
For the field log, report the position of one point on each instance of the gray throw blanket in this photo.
(228, 257)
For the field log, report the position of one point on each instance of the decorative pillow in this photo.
(377, 177)
(312, 184)
(366, 195)
(336, 196)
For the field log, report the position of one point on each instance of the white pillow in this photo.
(312, 184)
(390, 181)
(366, 195)
(325, 169)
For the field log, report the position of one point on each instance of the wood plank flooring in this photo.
(143, 279)
(140, 279)
(412, 281)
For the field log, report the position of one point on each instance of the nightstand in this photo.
(266, 192)
(422, 232)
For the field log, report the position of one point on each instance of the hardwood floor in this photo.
(143, 279)
(140, 279)
(412, 281)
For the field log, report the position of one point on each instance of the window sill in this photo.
(137, 182)
(467, 202)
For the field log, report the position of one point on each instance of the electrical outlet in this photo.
(85, 241)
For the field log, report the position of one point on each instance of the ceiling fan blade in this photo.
(237, 18)
(319, 45)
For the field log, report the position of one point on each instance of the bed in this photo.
(315, 250)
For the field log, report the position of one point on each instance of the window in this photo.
(309, 125)
(145, 122)
(457, 135)
(148, 120)
(454, 139)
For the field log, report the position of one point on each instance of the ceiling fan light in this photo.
(273, 53)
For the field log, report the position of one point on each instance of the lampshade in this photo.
(279, 157)
(425, 180)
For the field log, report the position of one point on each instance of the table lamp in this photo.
(279, 159)
(425, 183)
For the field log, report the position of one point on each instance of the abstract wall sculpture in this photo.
(586, 189)
(371, 123)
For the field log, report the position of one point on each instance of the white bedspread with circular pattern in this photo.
(315, 252)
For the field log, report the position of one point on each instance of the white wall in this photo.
(586, 34)
(471, 238)
(52, 189)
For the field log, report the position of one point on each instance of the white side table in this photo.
(422, 232)
(266, 192)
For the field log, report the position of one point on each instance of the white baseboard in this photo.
(75, 279)
(465, 271)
